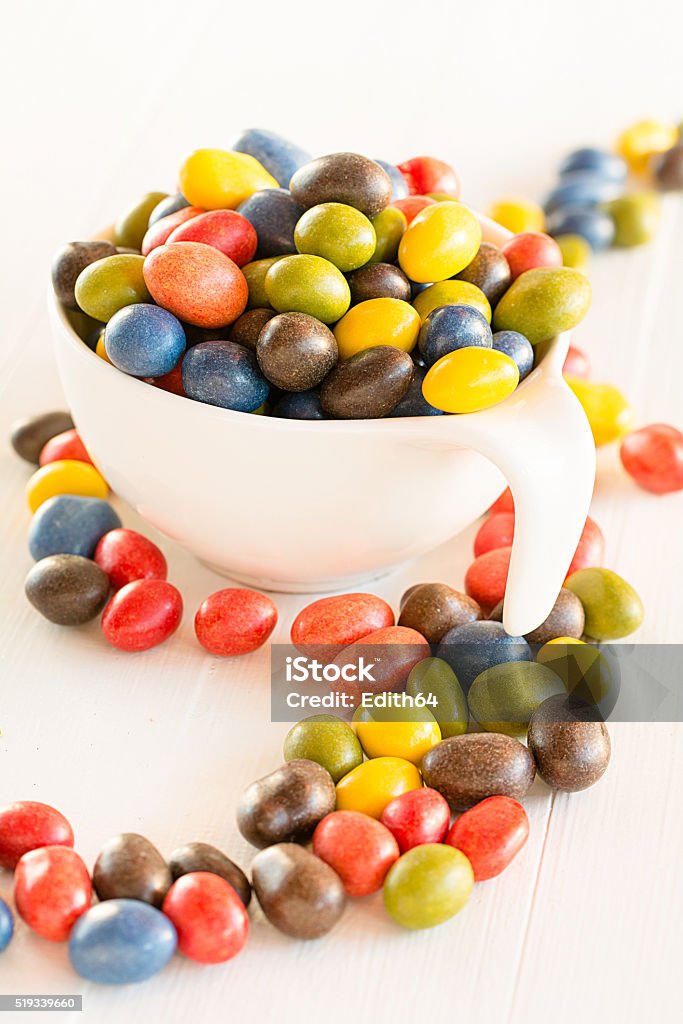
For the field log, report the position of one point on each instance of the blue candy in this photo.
(519, 348)
(225, 374)
(596, 226)
(167, 206)
(448, 328)
(6, 925)
(299, 405)
(70, 525)
(121, 941)
(399, 185)
(476, 646)
(601, 162)
(279, 157)
(582, 188)
(273, 213)
(144, 340)
(413, 402)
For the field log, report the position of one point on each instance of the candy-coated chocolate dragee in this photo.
(27, 825)
(612, 607)
(434, 679)
(440, 242)
(668, 169)
(413, 402)
(399, 185)
(130, 867)
(566, 619)
(581, 189)
(407, 732)
(327, 740)
(126, 556)
(434, 608)
(67, 445)
(286, 804)
(417, 817)
(171, 204)
(495, 532)
(636, 218)
(347, 178)
(216, 179)
(489, 271)
(235, 621)
(531, 249)
(225, 374)
(101, 351)
(66, 476)
(378, 281)
(369, 385)
(608, 412)
(452, 327)
(451, 293)
(51, 890)
(296, 352)
(383, 321)
(208, 916)
(109, 284)
(595, 227)
(358, 848)
(196, 283)
(428, 885)
(299, 893)
(130, 228)
(389, 227)
(467, 769)
(120, 942)
(373, 784)
(517, 214)
(475, 646)
(6, 925)
(67, 589)
(144, 340)
(470, 379)
(70, 525)
(323, 628)
(643, 140)
(171, 382)
(204, 857)
(653, 456)
(280, 157)
(308, 284)
(142, 615)
(255, 275)
(543, 302)
(338, 233)
(570, 747)
(519, 348)
(575, 249)
(490, 834)
(428, 174)
(29, 436)
(503, 503)
(395, 650)
(591, 547)
(412, 205)
(600, 162)
(504, 697)
(159, 233)
(274, 214)
(247, 328)
(70, 261)
(299, 405)
(225, 230)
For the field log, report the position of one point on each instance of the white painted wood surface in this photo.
(102, 101)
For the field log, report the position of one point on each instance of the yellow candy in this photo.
(100, 350)
(439, 243)
(447, 293)
(65, 476)
(518, 214)
(643, 140)
(370, 786)
(216, 179)
(377, 322)
(608, 413)
(398, 732)
(576, 252)
(470, 379)
(585, 672)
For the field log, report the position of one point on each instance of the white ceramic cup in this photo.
(292, 505)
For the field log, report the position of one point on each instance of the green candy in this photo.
(434, 677)
(576, 252)
(543, 302)
(504, 697)
(308, 284)
(613, 608)
(108, 285)
(255, 274)
(389, 226)
(131, 226)
(327, 740)
(428, 885)
(338, 233)
(636, 218)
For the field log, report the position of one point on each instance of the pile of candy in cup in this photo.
(339, 287)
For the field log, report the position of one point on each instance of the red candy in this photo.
(142, 615)
(27, 825)
(358, 848)
(412, 205)
(531, 249)
(576, 363)
(504, 503)
(161, 229)
(209, 917)
(225, 230)
(196, 283)
(495, 532)
(64, 446)
(335, 622)
(490, 835)
(52, 889)
(172, 382)
(417, 817)
(591, 548)
(404, 648)
(653, 456)
(487, 576)
(235, 621)
(427, 174)
(127, 556)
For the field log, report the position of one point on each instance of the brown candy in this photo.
(296, 352)
(287, 804)
(467, 769)
(130, 867)
(668, 168)
(342, 178)
(571, 749)
(28, 437)
(70, 261)
(246, 329)
(434, 608)
(378, 281)
(299, 893)
(489, 270)
(566, 619)
(368, 385)
(204, 857)
(67, 589)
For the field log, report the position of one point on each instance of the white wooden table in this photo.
(102, 103)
